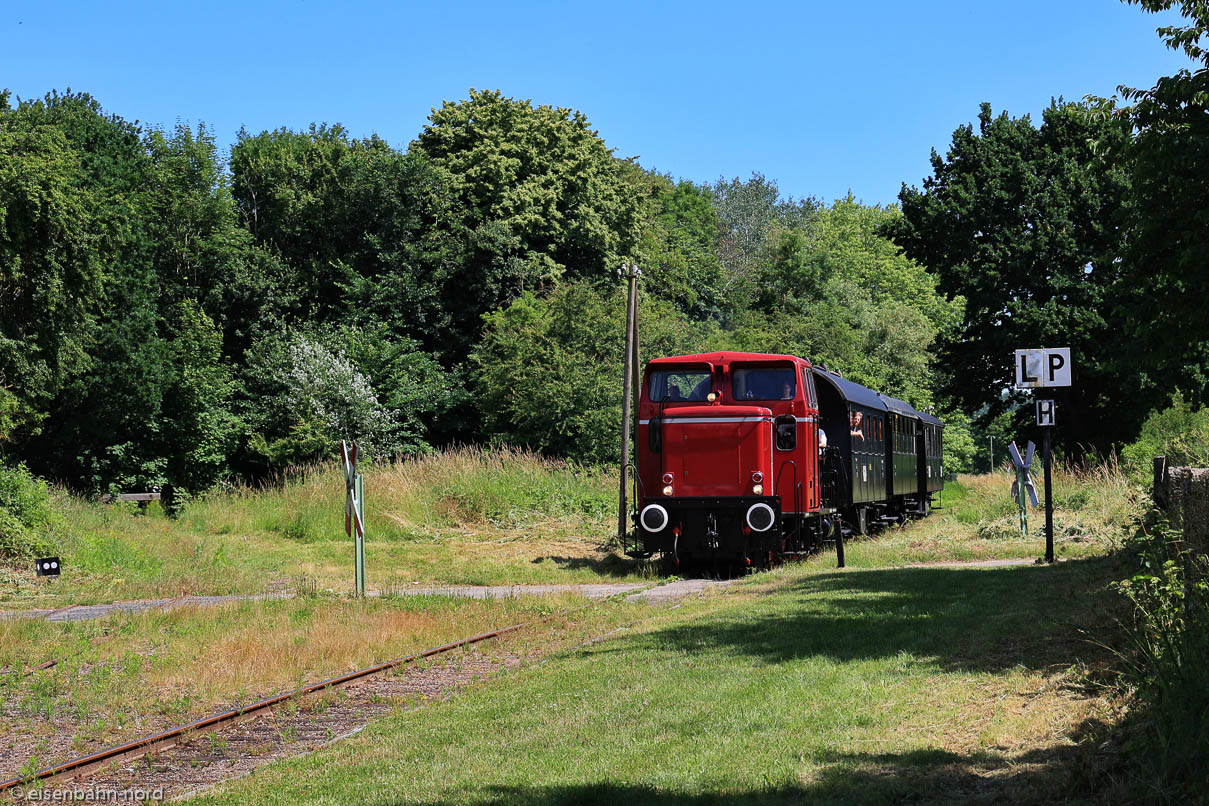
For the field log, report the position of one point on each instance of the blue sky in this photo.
(821, 97)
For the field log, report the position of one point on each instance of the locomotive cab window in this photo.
(808, 386)
(679, 385)
(772, 383)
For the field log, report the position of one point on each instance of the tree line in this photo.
(172, 315)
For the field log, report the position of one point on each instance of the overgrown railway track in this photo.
(132, 751)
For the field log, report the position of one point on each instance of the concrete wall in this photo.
(1183, 493)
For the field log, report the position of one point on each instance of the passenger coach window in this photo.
(764, 384)
(672, 385)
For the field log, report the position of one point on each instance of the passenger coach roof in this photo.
(928, 418)
(852, 392)
(899, 406)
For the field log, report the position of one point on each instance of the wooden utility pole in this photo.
(631, 273)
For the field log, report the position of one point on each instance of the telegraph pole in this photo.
(631, 273)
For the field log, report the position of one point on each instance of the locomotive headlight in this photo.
(757, 489)
(653, 518)
(760, 517)
(667, 490)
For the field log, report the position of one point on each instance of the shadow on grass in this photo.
(610, 565)
(978, 619)
(1067, 773)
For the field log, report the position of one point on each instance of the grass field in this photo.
(466, 516)
(880, 682)
(128, 675)
(867, 685)
(856, 686)
(471, 516)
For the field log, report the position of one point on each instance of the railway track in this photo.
(131, 751)
(157, 743)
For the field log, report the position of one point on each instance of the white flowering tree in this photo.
(312, 397)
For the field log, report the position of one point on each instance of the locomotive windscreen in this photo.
(771, 383)
(679, 384)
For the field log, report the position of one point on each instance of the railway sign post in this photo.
(1037, 369)
(354, 510)
(1046, 418)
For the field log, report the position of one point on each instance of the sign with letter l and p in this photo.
(1043, 367)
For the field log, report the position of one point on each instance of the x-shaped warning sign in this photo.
(1022, 471)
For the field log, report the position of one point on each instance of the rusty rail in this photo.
(169, 738)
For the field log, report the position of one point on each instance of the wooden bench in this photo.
(142, 498)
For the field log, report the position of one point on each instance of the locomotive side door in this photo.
(811, 483)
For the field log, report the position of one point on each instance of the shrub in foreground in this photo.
(27, 516)
(1168, 643)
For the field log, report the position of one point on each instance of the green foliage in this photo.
(676, 250)
(835, 290)
(28, 519)
(364, 230)
(200, 430)
(1021, 221)
(1180, 432)
(543, 193)
(548, 372)
(1165, 663)
(49, 267)
(1167, 158)
(961, 452)
(748, 213)
(311, 398)
(305, 393)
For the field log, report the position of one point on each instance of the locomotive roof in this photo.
(852, 392)
(724, 357)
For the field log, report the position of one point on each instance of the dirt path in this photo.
(641, 592)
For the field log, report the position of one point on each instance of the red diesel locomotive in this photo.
(744, 458)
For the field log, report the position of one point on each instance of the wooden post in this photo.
(630, 272)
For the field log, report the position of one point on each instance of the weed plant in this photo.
(1167, 663)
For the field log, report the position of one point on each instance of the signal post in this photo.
(1039, 369)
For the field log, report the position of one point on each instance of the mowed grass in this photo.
(855, 686)
(1094, 512)
(466, 516)
(805, 684)
(126, 675)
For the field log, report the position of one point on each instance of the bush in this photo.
(27, 516)
(1179, 432)
(1168, 644)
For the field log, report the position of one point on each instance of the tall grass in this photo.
(467, 488)
(1093, 504)
(467, 515)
